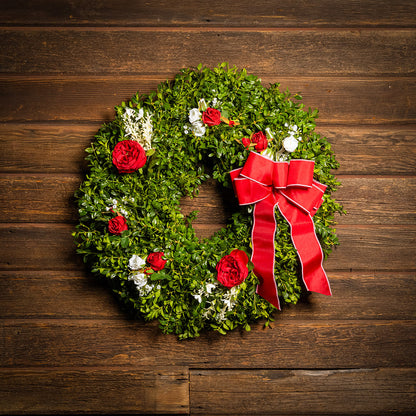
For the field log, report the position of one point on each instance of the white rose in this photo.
(136, 262)
(139, 279)
(194, 115)
(198, 128)
(290, 144)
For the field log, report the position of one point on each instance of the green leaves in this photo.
(177, 164)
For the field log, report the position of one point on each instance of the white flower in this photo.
(290, 144)
(138, 127)
(198, 297)
(198, 128)
(139, 279)
(268, 153)
(194, 115)
(269, 133)
(210, 287)
(146, 132)
(136, 262)
(215, 102)
(202, 105)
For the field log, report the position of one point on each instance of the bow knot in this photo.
(289, 186)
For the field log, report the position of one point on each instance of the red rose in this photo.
(128, 156)
(232, 269)
(117, 225)
(155, 261)
(258, 138)
(211, 117)
(246, 142)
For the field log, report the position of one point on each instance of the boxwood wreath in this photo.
(161, 147)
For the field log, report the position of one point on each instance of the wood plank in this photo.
(56, 294)
(40, 198)
(138, 51)
(49, 198)
(303, 392)
(360, 295)
(302, 345)
(314, 13)
(45, 148)
(50, 247)
(339, 100)
(373, 150)
(372, 200)
(38, 247)
(94, 390)
(59, 148)
(75, 295)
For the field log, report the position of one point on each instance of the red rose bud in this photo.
(155, 261)
(246, 142)
(261, 141)
(211, 117)
(232, 269)
(128, 156)
(117, 225)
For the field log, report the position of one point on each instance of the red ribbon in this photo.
(289, 186)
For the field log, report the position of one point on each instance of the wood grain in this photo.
(59, 148)
(307, 344)
(75, 295)
(51, 247)
(262, 13)
(68, 347)
(303, 392)
(340, 100)
(137, 51)
(85, 390)
(49, 198)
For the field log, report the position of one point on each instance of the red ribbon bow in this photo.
(289, 186)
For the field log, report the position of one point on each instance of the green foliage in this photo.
(177, 165)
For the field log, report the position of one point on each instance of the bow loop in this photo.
(300, 173)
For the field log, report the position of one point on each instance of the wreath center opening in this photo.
(210, 210)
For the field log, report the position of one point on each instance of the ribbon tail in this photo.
(308, 247)
(263, 234)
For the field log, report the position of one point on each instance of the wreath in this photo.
(256, 141)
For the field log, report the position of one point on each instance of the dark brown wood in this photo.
(44, 148)
(384, 150)
(59, 148)
(49, 198)
(263, 13)
(86, 99)
(75, 295)
(56, 294)
(303, 392)
(298, 344)
(67, 346)
(137, 51)
(51, 247)
(85, 390)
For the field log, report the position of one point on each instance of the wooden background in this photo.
(66, 345)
